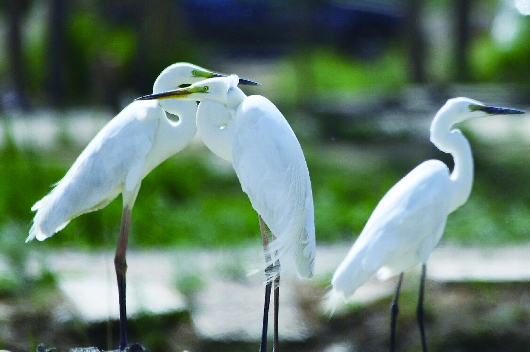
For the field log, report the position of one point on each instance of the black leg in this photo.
(419, 312)
(263, 346)
(394, 309)
(276, 305)
(123, 310)
(120, 265)
(268, 287)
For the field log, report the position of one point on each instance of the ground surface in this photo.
(470, 307)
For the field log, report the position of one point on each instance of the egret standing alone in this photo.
(252, 134)
(410, 219)
(130, 146)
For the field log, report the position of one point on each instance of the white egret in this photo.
(410, 219)
(130, 146)
(252, 134)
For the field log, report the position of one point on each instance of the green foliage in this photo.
(185, 201)
(35, 44)
(322, 71)
(194, 198)
(335, 73)
(506, 63)
(188, 284)
(117, 43)
(496, 211)
(113, 50)
(17, 280)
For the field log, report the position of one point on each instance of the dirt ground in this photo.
(459, 317)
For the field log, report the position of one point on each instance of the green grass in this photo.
(187, 202)
(194, 199)
(496, 212)
(335, 73)
(323, 72)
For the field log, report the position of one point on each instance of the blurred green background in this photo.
(359, 95)
(359, 81)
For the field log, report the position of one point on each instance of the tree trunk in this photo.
(462, 16)
(16, 63)
(56, 53)
(416, 42)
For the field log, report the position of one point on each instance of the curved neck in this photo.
(234, 98)
(173, 136)
(454, 142)
(215, 125)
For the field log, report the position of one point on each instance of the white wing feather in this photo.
(271, 168)
(116, 154)
(390, 242)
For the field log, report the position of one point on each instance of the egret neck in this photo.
(452, 141)
(173, 136)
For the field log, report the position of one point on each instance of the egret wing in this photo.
(98, 175)
(409, 220)
(271, 167)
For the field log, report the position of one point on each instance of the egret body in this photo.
(252, 134)
(130, 146)
(410, 219)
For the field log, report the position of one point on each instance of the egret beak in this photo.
(175, 93)
(243, 81)
(248, 82)
(210, 74)
(494, 110)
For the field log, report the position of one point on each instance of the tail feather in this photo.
(38, 204)
(295, 245)
(332, 300)
(50, 217)
(294, 253)
(350, 275)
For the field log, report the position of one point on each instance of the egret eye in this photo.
(195, 73)
(199, 89)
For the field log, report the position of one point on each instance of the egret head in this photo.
(461, 109)
(218, 89)
(183, 74)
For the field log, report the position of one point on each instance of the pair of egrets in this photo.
(249, 132)
(252, 134)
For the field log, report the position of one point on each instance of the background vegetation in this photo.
(360, 103)
(194, 199)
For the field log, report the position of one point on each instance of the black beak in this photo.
(493, 110)
(243, 81)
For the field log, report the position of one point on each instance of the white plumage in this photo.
(402, 231)
(130, 146)
(115, 161)
(252, 133)
(271, 168)
(409, 221)
(268, 160)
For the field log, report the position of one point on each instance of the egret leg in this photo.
(266, 305)
(419, 311)
(268, 285)
(394, 309)
(276, 305)
(120, 265)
